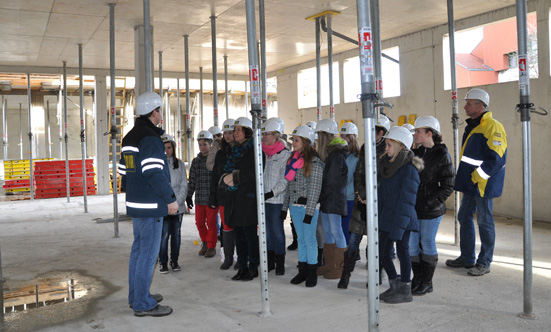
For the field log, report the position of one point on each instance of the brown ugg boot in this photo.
(328, 252)
(338, 259)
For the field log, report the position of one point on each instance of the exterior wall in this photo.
(422, 93)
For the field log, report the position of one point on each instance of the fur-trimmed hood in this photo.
(418, 163)
(337, 145)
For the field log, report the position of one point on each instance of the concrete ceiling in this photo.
(46, 32)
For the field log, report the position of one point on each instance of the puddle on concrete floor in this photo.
(62, 296)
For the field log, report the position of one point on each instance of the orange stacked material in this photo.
(50, 178)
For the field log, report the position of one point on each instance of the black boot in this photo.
(240, 273)
(428, 267)
(228, 249)
(321, 260)
(302, 274)
(294, 244)
(417, 269)
(401, 295)
(311, 275)
(280, 265)
(349, 263)
(271, 260)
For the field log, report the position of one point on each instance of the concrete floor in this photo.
(46, 237)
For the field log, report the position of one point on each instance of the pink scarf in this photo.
(270, 150)
(293, 165)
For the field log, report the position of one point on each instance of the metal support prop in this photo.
(246, 97)
(1, 295)
(65, 130)
(37, 303)
(21, 130)
(368, 100)
(188, 111)
(4, 129)
(214, 73)
(524, 107)
(377, 61)
(330, 67)
(263, 73)
(455, 114)
(113, 129)
(147, 47)
(164, 121)
(48, 131)
(179, 115)
(256, 112)
(226, 85)
(201, 96)
(318, 68)
(59, 120)
(82, 129)
(31, 171)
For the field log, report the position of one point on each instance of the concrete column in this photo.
(139, 59)
(101, 113)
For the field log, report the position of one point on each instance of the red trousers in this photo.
(205, 220)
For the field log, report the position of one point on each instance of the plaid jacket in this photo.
(199, 180)
(309, 187)
(274, 176)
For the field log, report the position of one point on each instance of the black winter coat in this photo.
(335, 176)
(437, 180)
(217, 193)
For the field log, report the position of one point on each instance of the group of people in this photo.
(319, 181)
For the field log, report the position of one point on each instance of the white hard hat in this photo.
(167, 138)
(311, 124)
(214, 130)
(349, 128)
(479, 94)
(278, 120)
(327, 125)
(204, 134)
(428, 122)
(148, 102)
(243, 122)
(227, 125)
(384, 122)
(306, 132)
(409, 127)
(400, 134)
(273, 124)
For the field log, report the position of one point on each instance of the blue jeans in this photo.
(486, 228)
(346, 221)
(306, 234)
(385, 252)
(424, 241)
(171, 229)
(275, 235)
(354, 243)
(246, 244)
(332, 229)
(144, 253)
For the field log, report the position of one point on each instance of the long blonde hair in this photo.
(324, 138)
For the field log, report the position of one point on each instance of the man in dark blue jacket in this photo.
(480, 178)
(149, 197)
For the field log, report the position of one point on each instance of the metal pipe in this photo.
(263, 73)
(21, 130)
(368, 99)
(178, 113)
(226, 85)
(82, 129)
(5, 129)
(201, 95)
(66, 130)
(214, 72)
(1, 295)
(59, 116)
(525, 106)
(36, 295)
(147, 47)
(48, 131)
(330, 67)
(455, 113)
(256, 112)
(318, 68)
(165, 118)
(188, 111)
(246, 97)
(378, 71)
(31, 176)
(113, 129)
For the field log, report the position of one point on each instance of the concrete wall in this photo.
(422, 93)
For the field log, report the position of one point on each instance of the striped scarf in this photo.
(293, 165)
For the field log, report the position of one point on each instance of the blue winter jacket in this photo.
(396, 200)
(144, 168)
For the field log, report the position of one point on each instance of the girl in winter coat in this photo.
(304, 172)
(333, 205)
(173, 223)
(398, 173)
(437, 179)
(240, 211)
(275, 186)
(349, 133)
(217, 198)
(199, 183)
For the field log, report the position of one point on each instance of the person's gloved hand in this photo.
(189, 203)
(283, 215)
(268, 195)
(307, 219)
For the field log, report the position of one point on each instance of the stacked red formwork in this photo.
(50, 178)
